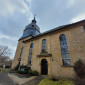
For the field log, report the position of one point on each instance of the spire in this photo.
(34, 21)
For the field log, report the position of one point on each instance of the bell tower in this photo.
(31, 29)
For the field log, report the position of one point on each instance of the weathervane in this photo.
(34, 15)
(34, 21)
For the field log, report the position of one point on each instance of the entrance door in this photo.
(44, 67)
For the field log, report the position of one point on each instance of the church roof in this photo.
(57, 28)
(32, 25)
(31, 29)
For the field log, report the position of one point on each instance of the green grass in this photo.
(2, 70)
(47, 81)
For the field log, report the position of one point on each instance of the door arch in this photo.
(44, 67)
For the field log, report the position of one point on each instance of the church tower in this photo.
(31, 30)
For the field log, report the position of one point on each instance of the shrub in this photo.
(30, 71)
(12, 71)
(35, 73)
(20, 72)
(25, 68)
(79, 68)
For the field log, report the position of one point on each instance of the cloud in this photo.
(4, 36)
(78, 18)
(11, 7)
(50, 13)
(70, 3)
(8, 37)
(10, 42)
(16, 14)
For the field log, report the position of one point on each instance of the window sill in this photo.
(44, 55)
(43, 52)
(67, 66)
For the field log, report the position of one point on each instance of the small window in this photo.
(32, 25)
(31, 32)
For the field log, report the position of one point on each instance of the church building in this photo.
(53, 52)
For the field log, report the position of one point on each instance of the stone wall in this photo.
(75, 37)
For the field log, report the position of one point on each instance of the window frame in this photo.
(44, 46)
(64, 50)
(21, 52)
(30, 54)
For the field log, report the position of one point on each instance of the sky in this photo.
(16, 14)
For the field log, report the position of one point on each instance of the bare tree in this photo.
(4, 51)
(4, 54)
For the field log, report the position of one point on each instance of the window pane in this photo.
(66, 62)
(30, 53)
(62, 46)
(67, 55)
(65, 46)
(44, 45)
(64, 50)
(31, 46)
(63, 56)
(21, 52)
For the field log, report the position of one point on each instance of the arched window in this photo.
(21, 52)
(43, 45)
(64, 50)
(30, 54)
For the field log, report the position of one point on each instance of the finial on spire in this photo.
(34, 21)
(34, 15)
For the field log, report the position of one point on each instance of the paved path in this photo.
(5, 80)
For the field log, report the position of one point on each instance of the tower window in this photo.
(32, 25)
(25, 31)
(31, 32)
(64, 50)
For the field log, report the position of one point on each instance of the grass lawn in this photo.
(2, 70)
(48, 81)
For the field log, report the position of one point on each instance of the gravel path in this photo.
(5, 80)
